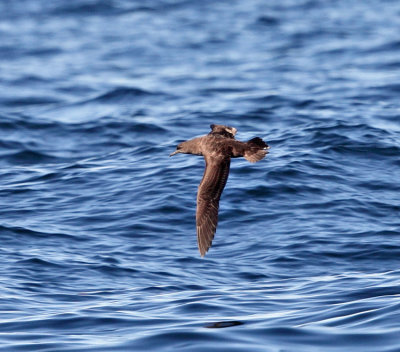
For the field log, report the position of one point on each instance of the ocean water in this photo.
(97, 224)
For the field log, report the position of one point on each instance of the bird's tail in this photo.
(256, 150)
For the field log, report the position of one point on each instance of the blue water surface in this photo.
(97, 224)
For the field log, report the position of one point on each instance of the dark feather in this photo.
(257, 142)
(225, 131)
(208, 196)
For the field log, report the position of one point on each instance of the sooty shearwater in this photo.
(217, 147)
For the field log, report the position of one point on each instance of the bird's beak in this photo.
(175, 152)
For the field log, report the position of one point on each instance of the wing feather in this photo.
(254, 150)
(208, 196)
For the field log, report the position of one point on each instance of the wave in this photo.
(30, 157)
(20, 233)
(121, 94)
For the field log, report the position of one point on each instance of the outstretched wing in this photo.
(225, 131)
(208, 195)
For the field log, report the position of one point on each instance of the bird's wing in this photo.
(208, 195)
(225, 131)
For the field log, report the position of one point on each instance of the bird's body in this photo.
(218, 147)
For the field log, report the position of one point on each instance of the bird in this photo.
(217, 148)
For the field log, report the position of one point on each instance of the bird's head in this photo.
(180, 148)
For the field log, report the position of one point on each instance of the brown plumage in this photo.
(218, 147)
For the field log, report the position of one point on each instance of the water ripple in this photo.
(97, 223)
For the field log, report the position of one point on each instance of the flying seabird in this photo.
(217, 147)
